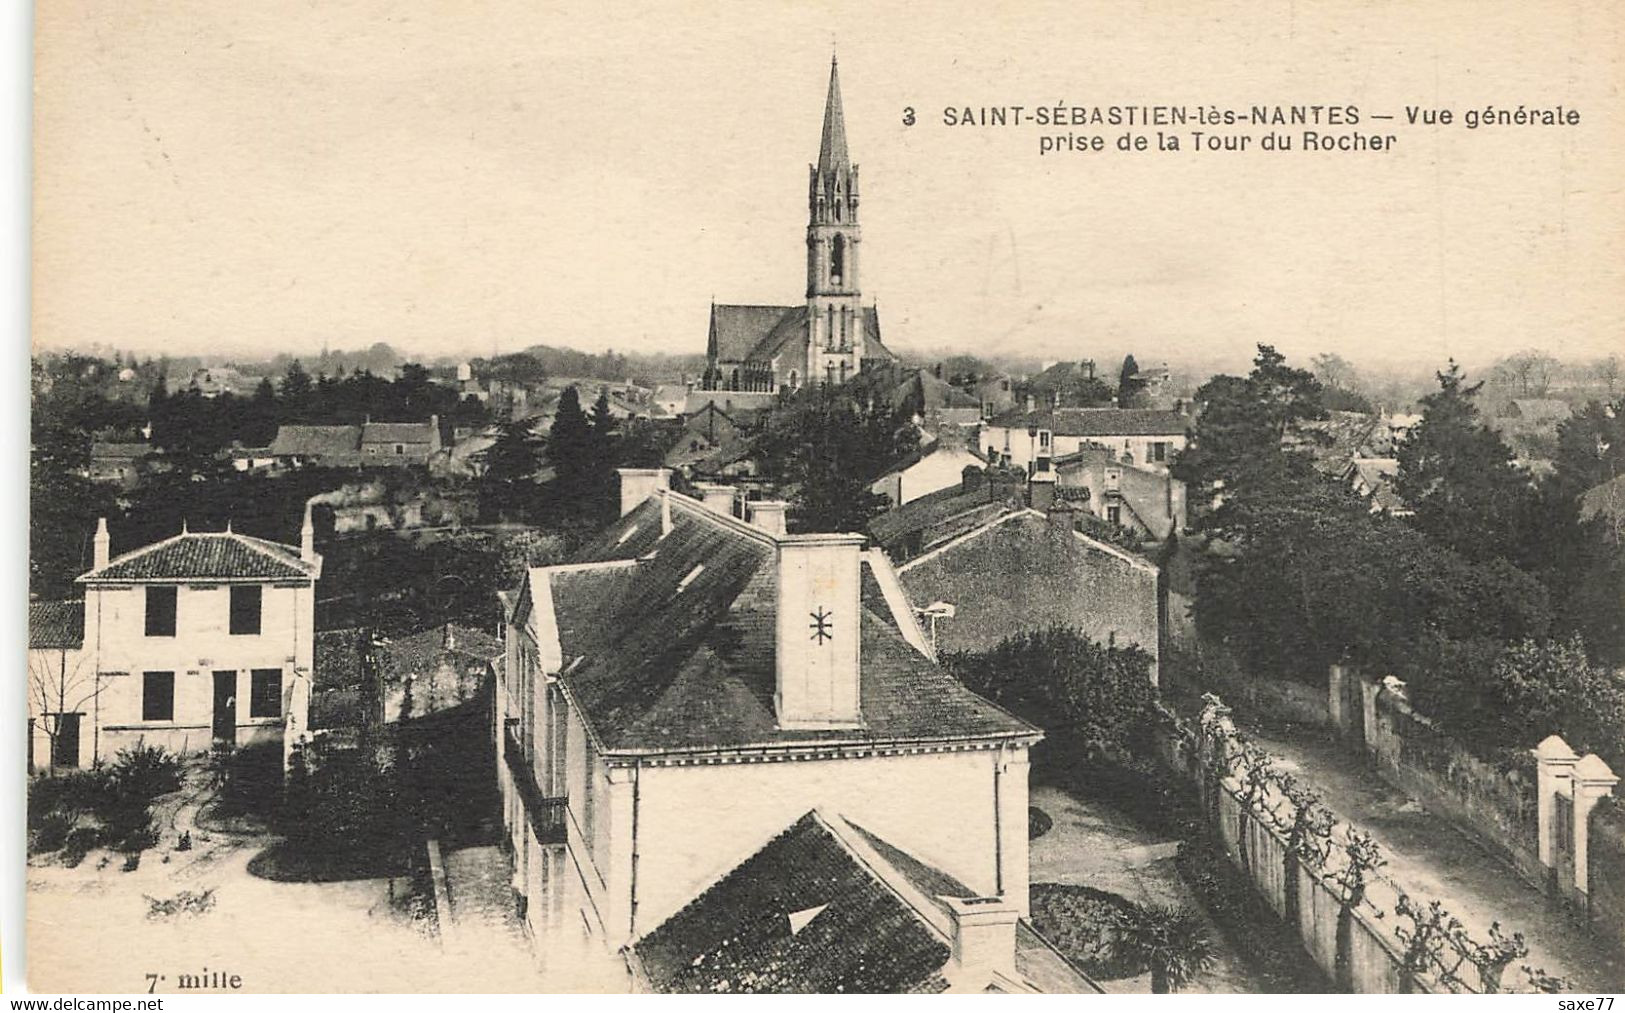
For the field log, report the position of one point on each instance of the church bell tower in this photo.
(835, 320)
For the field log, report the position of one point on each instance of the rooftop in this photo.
(196, 555)
(56, 625)
(1099, 421)
(668, 646)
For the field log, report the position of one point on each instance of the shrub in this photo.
(1081, 921)
(1038, 823)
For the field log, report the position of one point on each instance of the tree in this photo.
(57, 685)
(572, 449)
(826, 449)
(1333, 370)
(1171, 941)
(1458, 476)
(1092, 699)
(296, 385)
(508, 469)
(1528, 373)
(1129, 385)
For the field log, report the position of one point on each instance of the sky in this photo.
(459, 179)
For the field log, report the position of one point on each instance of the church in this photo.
(831, 337)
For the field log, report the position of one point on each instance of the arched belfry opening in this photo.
(837, 260)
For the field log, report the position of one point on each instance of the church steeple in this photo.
(832, 148)
(836, 332)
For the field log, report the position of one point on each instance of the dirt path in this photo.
(1430, 858)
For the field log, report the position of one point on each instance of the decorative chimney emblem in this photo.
(822, 625)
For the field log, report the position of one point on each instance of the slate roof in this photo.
(316, 441)
(207, 556)
(1100, 421)
(56, 625)
(737, 935)
(746, 333)
(690, 668)
(949, 509)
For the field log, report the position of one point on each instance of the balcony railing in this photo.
(547, 814)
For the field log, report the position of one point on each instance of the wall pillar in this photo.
(1554, 767)
(1591, 779)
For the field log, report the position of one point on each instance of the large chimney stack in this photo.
(768, 514)
(102, 544)
(638, 484)
(984, 939)
(816, 654)
(717, 497)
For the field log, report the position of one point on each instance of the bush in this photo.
(1038, 823)
(1081, 921)
(1095, 697)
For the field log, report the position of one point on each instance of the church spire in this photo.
(832, 147)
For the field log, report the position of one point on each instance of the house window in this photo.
(1114, 513)
(158, 696)
(400, 448)
(1045, 440)
(1159, 451)
(160, 611)
(265, 693)
(245, 610)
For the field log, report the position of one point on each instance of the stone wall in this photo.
(1496, 806)
(1350, 919)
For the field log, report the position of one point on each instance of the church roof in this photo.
(758, 333)
(832, 152)
(668, 645)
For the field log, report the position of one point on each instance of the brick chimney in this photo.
(816, 652)
(638, 484)
(983, 939)
(717, 497)
(102, 545)
(768, 514)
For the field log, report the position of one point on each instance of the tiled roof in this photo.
(741, 333)
(668, 668)
(397, 432)
(737, 330)
(207, 556)
(316, 441)
(937, 514)
(858, 936)
(1100, 421)
(56, 625)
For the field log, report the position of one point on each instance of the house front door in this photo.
(65, 746)
(225, 707)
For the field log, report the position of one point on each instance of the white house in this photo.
(938, 465)
(1144, 436)
(203, 638)
(691, 692)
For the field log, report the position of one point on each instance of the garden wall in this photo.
(1495, 806)
(1313, 909)
(1305, 878)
